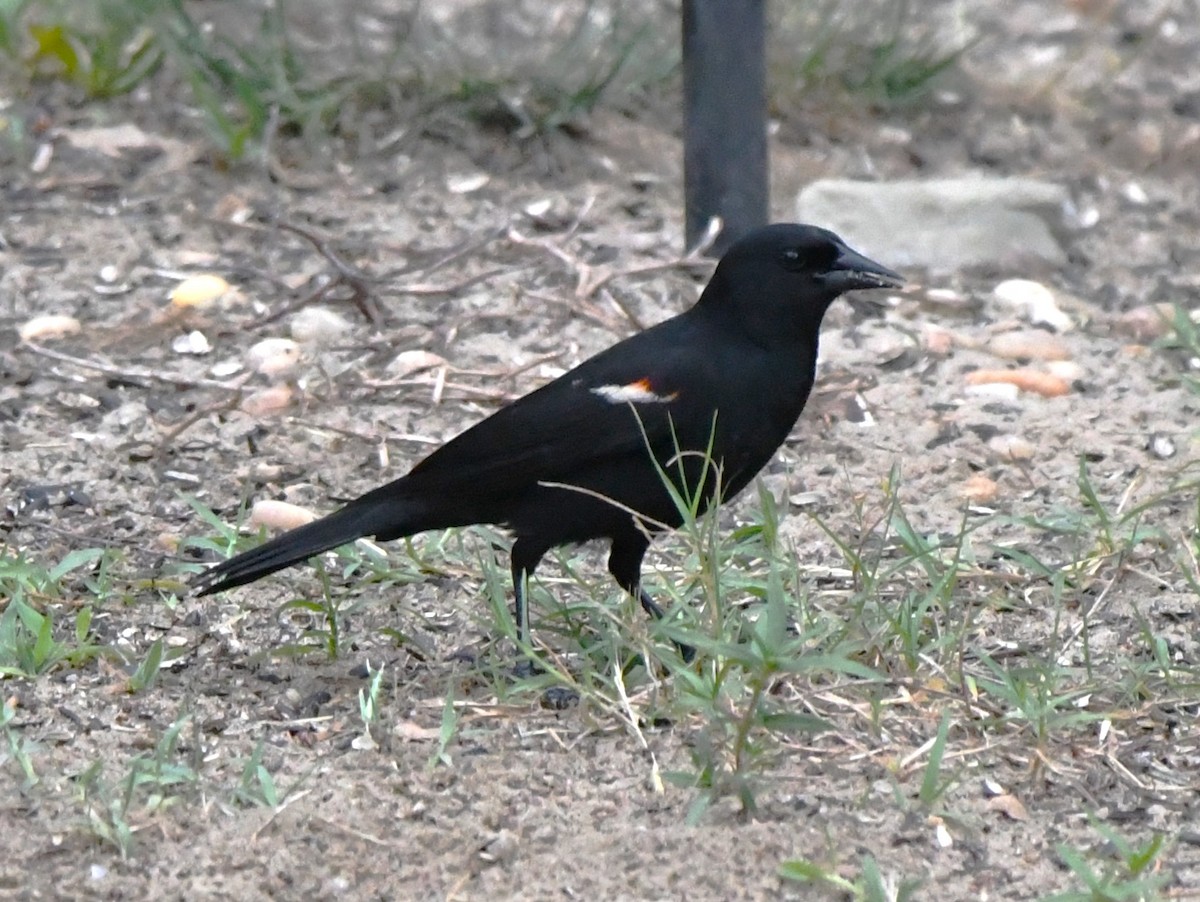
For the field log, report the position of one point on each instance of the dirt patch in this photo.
(470, 248)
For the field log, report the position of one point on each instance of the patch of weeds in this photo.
(324, 629)
(907, 598)
(251, 80)
(737, 696)
(323, 617)
(257, 786)
(18, 748)
(106, 49)
(1117, 871)
(1037, 693)
(934, 784)
(369, 710)
(243, 87)
(153, 782)
(1093, 536)
(12, 29)
(1184, 339)
(606, 51)
(446, 733)
(1089, 548)
(31, 642)
(871, 885)
(145, 674)
(884, 51)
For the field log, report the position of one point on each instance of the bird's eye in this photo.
(792, 256)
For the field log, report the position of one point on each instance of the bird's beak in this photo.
(852, 270)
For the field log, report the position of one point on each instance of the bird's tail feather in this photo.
(364, 517)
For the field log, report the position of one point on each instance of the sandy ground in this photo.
(568, 804)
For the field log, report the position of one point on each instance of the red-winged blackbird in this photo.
(714, 390)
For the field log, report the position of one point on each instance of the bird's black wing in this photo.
(587, 415)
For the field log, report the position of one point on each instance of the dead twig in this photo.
(132, 373)
(590, 279)
(167, 441)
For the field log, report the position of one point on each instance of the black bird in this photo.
(572, 461)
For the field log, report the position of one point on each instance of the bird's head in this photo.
(781, 278)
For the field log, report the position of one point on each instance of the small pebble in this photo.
(1162, 446)
(279, 515)
(1135, 194)
(1146, 323)
(48, 327)
(1035, 300)
(942, 837)
(1045, 384)
(225, 368)
(268, 401)
(319, 326)
(467, 183)
(1065, 369)
(202, 291)
(273, 356)
(193, 342)
(1029, 344)
(409, 362)
(1011, 447)
(980, 489)
(1008, 805)
(937, 341)
(999, 391)
(500, 848)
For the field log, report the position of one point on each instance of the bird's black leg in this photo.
(625, 564)
(525, 558)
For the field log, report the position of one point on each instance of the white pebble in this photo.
(1012, 447)
(318, 325)
(1035, 300)
(465, 184)
(1065, 369)
(272, 356)
(408, 362)
(49, 326)
(226, 368)
(999, 391)
(1135, 194)
(193, 342)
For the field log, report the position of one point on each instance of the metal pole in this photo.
(724, 117)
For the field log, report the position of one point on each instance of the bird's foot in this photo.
(556, 698)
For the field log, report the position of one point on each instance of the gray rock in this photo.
(944, 224)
